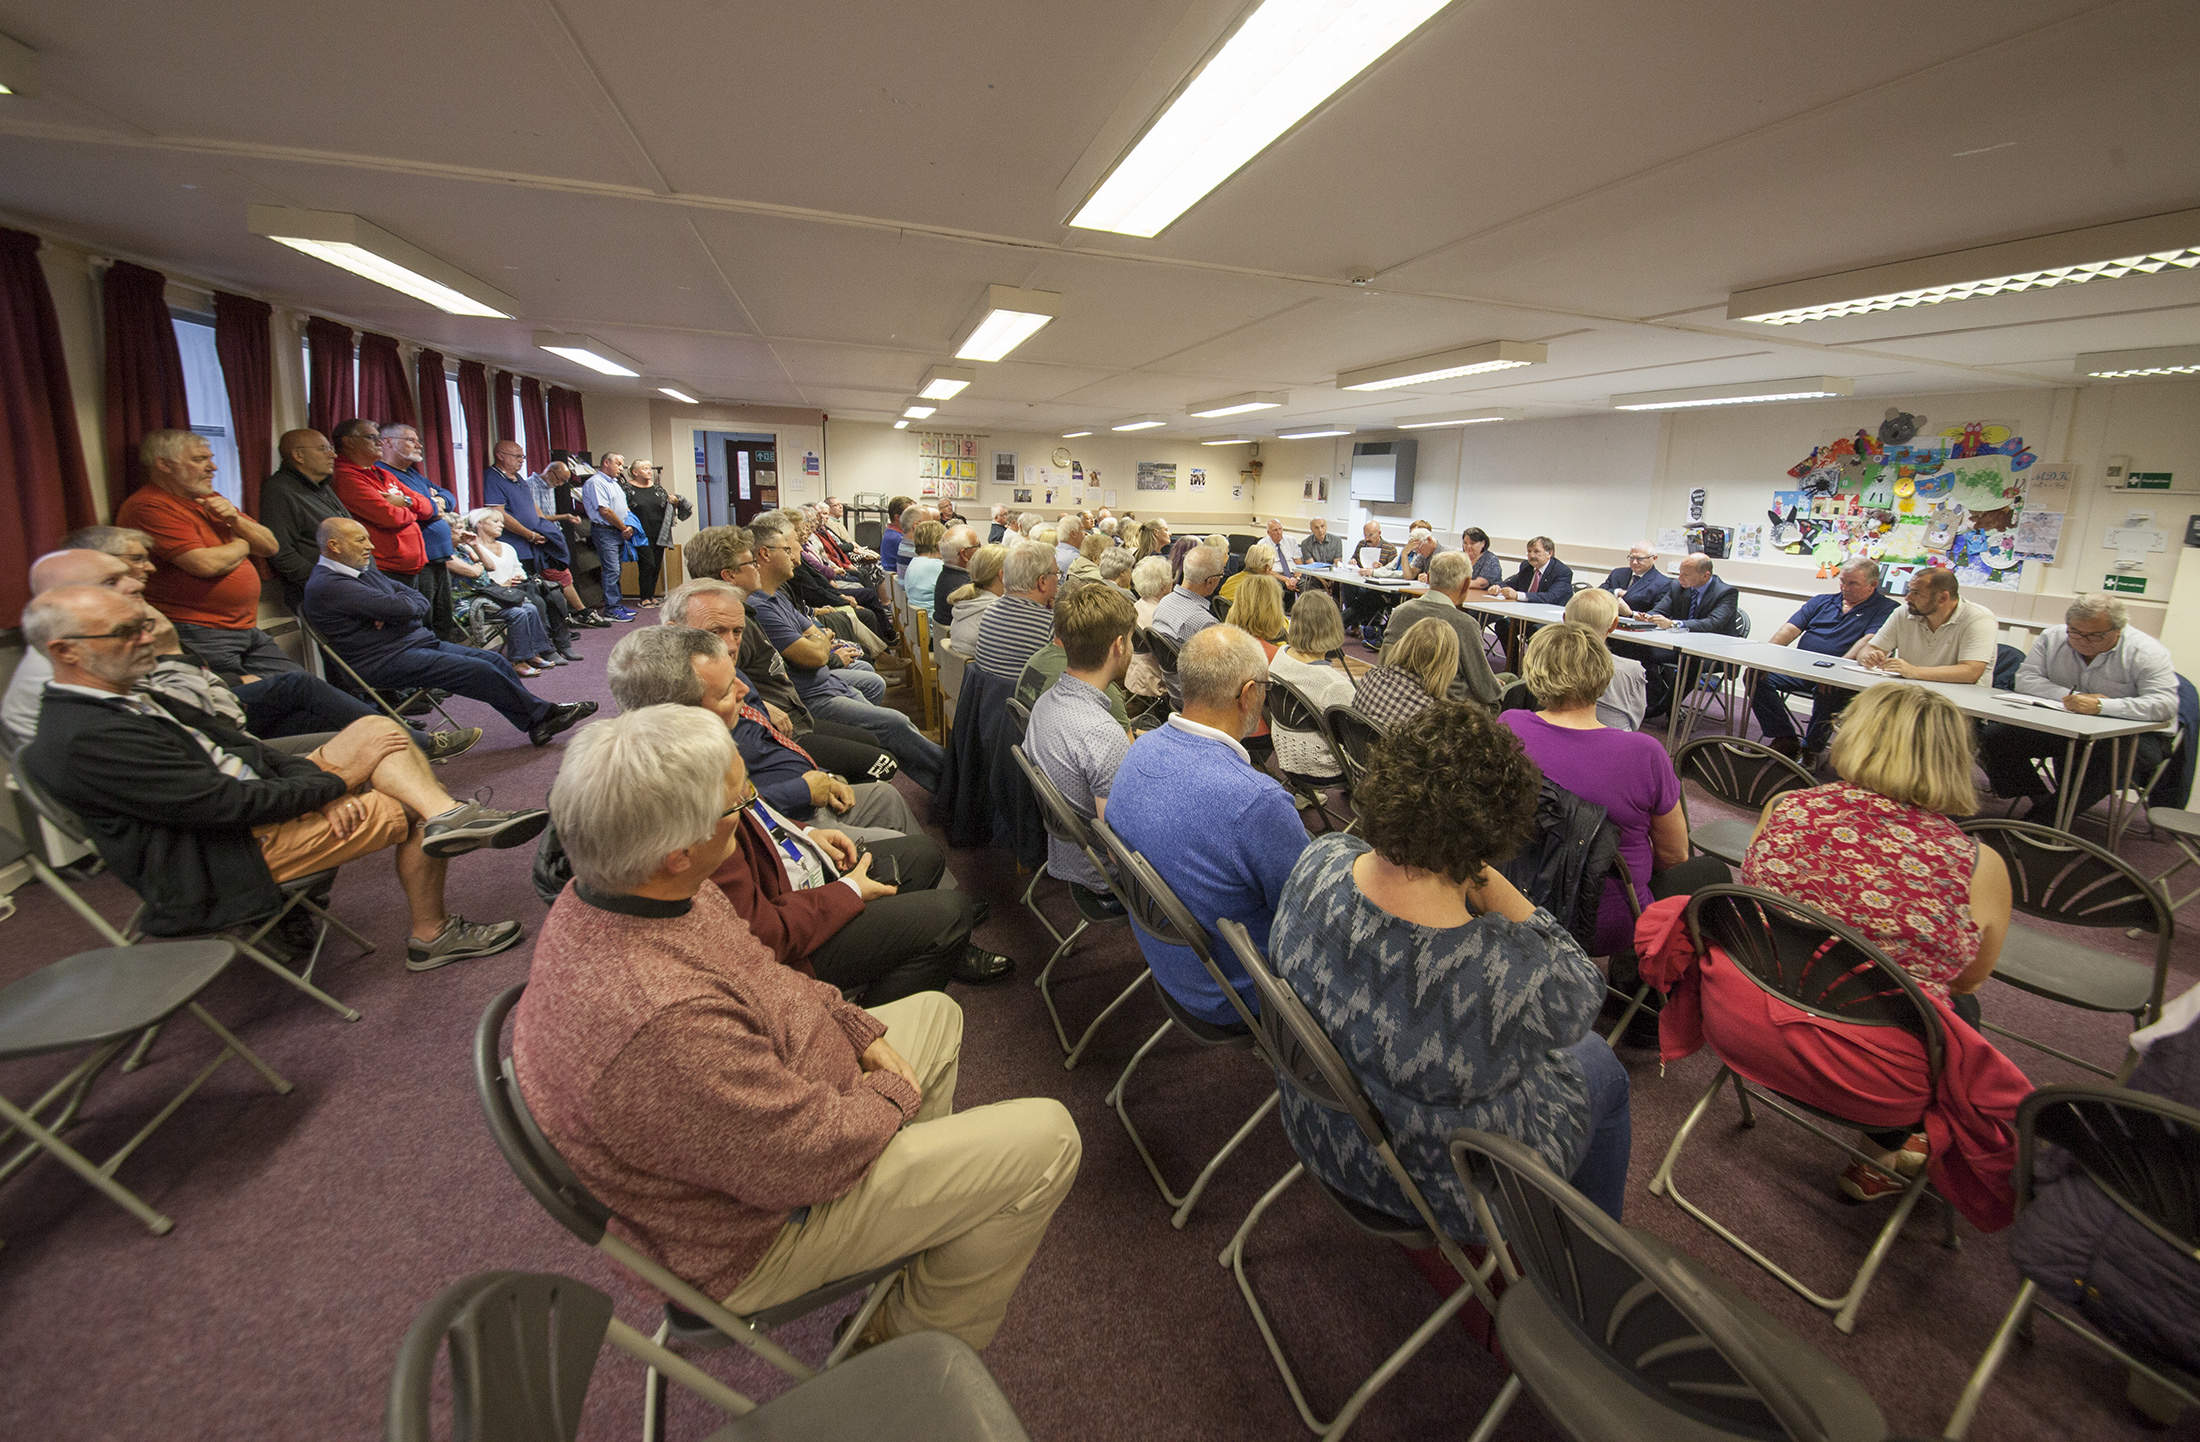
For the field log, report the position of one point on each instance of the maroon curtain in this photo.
(45, 492)
(385, 395)
(538, 422)
(473, 406)
(568, 425)
(507, 428)
(328, 386)
(435, 427)
(144, 371)
(248, 375)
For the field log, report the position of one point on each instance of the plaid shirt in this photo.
(1390, 697)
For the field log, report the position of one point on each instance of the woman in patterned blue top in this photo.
(1455, 1001)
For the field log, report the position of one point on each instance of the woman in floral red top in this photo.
(1878, 850)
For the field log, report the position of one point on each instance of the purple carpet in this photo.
(311, 1228)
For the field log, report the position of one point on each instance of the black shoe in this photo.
(980, 967)
(980, 910)
(561, 718)
(569, 653)
(1787, 746)
(592, 618)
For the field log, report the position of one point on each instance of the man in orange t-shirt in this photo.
(203, 578)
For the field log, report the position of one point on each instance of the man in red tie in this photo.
(1542, 577)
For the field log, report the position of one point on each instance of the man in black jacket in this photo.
(1699, 601)
(1639, 584)
(293, 503)
(203, 821)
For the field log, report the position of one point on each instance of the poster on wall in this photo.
(2039, 535)
(1198, 481)
(1021, 496)
(1004, 468)
(1157, 475)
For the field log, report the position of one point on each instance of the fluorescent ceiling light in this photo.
(1285, 58)
(1742, 393)
(901, 425)
(1312, 432)
(1459, 418)
(2070, 257)
(1004, 320)
(1239, 405)
(1073, 435)
(18, 68)
(677, 394)
(1230, 440)
(2116, 365)
(586, 350)
(944, 383)
(916, 412)
(1140, 423)
(1496, 355)
(349, 243)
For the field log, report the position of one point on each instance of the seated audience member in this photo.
(1258, 609)
(1184, 611)
(202, 548)
(1154, 540)
(956, 549)
(291, 704)
(1488, 572)
(895, 924)
(1639, 584)
(402, 454)
(1001, 526)
(1374, 556)
(1880, 851)
(1023, 619)
(1076, 738)
(1543, 577)
(968, 604)
(1447, 591)
(1114, 567)
(752, 1130)
(1936, 635)
(203, 821)
(1317, 629)
(826, 672)
(1455, 1000)
(925, 566)
(1320, 548)
(539, 633)
(1567, 669)
(1150, 579)
(839, 596)
(1418, 672)
(2095, 664)
(1086, 568)
(1623, 702)
(1220, 832)
(1069, 541)
(377, 625)
(394, 515)
(1260, 560)
(294, 500)
(778, 537)
(1840, 623)
(1699, 601)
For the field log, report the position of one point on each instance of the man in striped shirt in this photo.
(1022, 621)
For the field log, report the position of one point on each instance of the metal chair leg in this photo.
(1190, 1197)
(271, 964)
(143, 1049)
(1959, 1422)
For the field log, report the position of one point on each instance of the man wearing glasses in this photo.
(293, 503)
(1639, 584)
(2095, 665)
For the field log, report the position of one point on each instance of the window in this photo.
(208, 399)
(519, 426)
(464, 473)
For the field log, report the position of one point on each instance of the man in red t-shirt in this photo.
(203, 579)
(391, 513)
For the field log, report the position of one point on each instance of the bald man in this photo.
(293, 503)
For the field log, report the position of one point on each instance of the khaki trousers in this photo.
(970, 1193)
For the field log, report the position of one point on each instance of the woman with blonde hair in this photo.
(1416, 673)
(1878, 850)
(970, 604)
(1317, 628)
(1150, 579)
(1260, 560)
(1258, 608)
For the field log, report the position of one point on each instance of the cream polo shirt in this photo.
(1971, 634)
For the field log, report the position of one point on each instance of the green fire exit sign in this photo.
(2129, 585)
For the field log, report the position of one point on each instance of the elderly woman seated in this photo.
(1453, 999)
(924, 565)
(1621, 706)
(987, 567)
(1150, 580)
(1317, 629)
(1418, 673)
(1260, 560)
(538, 622)
(1879, 851)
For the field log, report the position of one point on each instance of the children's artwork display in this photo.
(945, 461)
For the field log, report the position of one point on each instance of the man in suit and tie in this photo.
(1287, 570)
(1542, 577)
(1699, 601)
(1639, 584)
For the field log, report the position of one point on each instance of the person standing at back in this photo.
(603, 501)
(376, 499)
(294, 500)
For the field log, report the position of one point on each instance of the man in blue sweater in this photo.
(1221, 832)
(402, 454)
(376, 624)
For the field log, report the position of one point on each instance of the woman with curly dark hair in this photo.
(1455, 1001)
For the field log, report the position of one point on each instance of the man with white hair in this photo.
(1185, 611)
(1320, 548)
(750, 1128)
(955, 550)
(1022, 621)
(1220, 831)
(2095, 664)
(1639, 584)
(1839, 623)
(1028, 524)
(1069, 538)
(1448, 577)
(1000, 526)
(1286, 571)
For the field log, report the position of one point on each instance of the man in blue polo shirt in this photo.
(1074, 738)
(1836, 624)
(401, 457)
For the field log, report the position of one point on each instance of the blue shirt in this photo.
(435, 534)
(1831, 632)
(785, 621)
(776, 769)
(517, 497)
(601, 494)
(924, 575)
(1223, 835)
(889, 549)
(1076, 742)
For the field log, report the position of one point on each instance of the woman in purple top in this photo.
(1625, 772)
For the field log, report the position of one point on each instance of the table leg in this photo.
(1681, 685)
(2066, 799)
(2119, 810)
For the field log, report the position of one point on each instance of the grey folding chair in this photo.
(690, 1316)
(1813, 963)
(1289, 708)
(102, 1001)
(413, 701)
(2143, 1152)
(1308, 1065)
(523, 1348)
(1618, 1337)
(1068, 824)
(2066, 879)
(1742, 773)
(1356, 738)
(1156, 911)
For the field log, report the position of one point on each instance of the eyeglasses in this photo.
(127, 631)
(1641, 558)
(742, 565)
(2078, 635)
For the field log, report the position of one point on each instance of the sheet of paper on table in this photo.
(2013, 699)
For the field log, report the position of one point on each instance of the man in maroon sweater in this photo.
(747, 1127)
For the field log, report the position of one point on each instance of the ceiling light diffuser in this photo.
(1140, 423)
(1004, 319)
(1238, 405)
(1230, 440)
(677, 394)
(18, 68)
(349, 243)
(1460, 418)
(901, 425)
(918, 412)
(586, 350)
(2116, 365)
(1283, 60)
(1741, 393)
(944, 383)
(2071, 257)
(1312, 432)
(1496, 355)
(1073, 435)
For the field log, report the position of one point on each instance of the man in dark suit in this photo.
(1639, 584)
(1542, 577)
(1699, 601)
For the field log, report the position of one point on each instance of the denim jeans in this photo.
(1602, 1175)
(864, 678)
(610, 546)
(297, 703)
(919, 756)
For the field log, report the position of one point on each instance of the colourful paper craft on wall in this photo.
(1936, 486)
